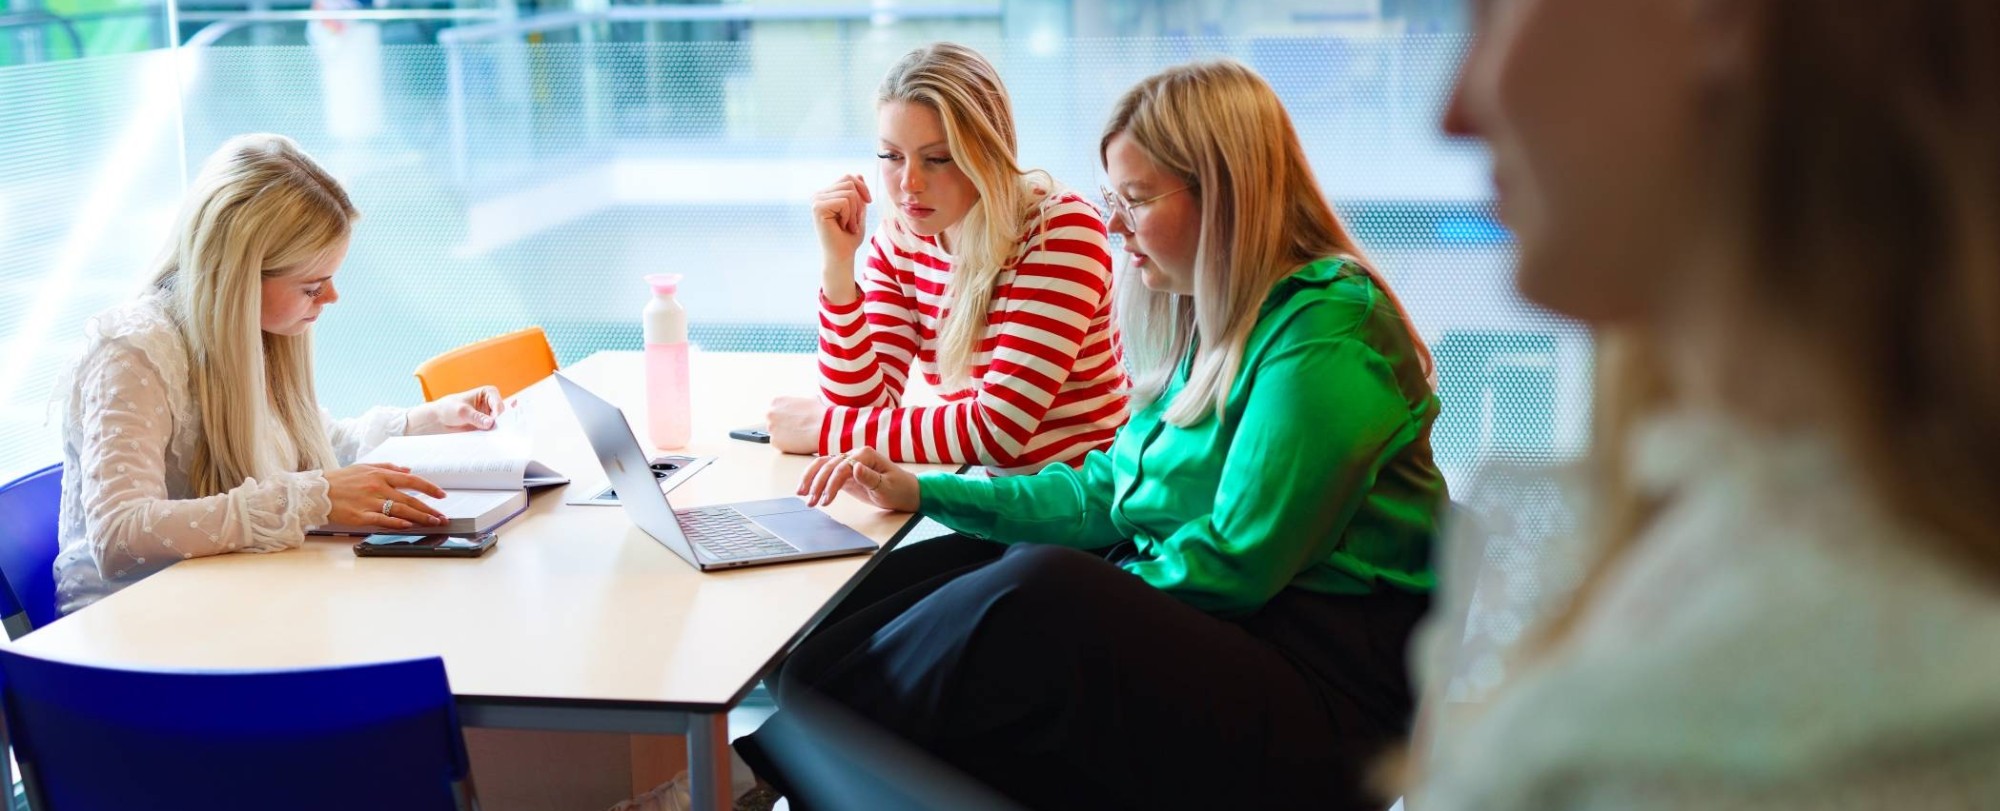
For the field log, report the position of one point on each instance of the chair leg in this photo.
(463, 796)
(32, 788)
(7, 762)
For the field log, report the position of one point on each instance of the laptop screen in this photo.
(626, 464)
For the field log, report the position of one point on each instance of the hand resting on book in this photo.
(358, 493)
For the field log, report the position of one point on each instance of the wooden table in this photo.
(576, 620)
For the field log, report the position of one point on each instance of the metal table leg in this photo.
(708, 761)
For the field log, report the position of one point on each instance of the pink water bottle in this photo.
(666, 364)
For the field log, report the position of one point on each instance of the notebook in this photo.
(485, 475)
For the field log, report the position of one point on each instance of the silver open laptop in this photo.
(725, 536)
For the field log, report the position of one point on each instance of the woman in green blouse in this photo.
(1213, 613)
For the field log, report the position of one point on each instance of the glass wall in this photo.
(530, 170)
(33, 31)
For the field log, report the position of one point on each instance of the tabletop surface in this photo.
(574, 604)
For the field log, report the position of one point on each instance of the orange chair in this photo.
(512, 362)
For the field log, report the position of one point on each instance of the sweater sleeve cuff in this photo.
(831, 308)
(315, 499)
(951, 499)
(828, 443)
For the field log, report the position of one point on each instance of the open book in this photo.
(485, 475)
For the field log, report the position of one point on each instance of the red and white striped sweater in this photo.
(1048, 384)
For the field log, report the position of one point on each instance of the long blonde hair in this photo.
(1221, 130)
(260, 209)
(968, 95)
(1869, 257)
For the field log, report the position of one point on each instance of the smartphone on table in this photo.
(426, 546)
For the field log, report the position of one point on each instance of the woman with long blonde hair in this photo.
(1779, 215)
(991, 280)
(191, 427)
(1213, 613)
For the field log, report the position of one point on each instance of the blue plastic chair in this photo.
(30, 508)
(380, 736)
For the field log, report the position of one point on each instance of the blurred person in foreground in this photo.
(1779, 216)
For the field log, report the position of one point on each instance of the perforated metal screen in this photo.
(505, 184)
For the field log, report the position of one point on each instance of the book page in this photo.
(541, 475)
(472, 460)
(465, 503)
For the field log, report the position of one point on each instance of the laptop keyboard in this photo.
(729, 535)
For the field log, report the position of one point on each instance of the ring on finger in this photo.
(387, 505)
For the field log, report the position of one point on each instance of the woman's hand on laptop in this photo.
(864, 473)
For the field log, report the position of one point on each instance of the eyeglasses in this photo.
(1118, 206)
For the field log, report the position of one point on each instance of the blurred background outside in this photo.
(526, 163)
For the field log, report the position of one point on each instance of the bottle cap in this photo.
(664, 283)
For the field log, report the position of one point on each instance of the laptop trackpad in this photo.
(759, 509)
(810, 530)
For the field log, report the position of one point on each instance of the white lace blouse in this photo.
(130, 427)
(1775, 641)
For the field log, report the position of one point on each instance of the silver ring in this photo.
(387, 504)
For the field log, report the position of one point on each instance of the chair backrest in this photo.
(1513, 553)
(511, 362)
(30, 512)
(833, 759)
(379, 736)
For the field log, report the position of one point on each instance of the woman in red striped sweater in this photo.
(993, 281)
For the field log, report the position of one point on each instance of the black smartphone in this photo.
(426, 546)
(751, 435)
